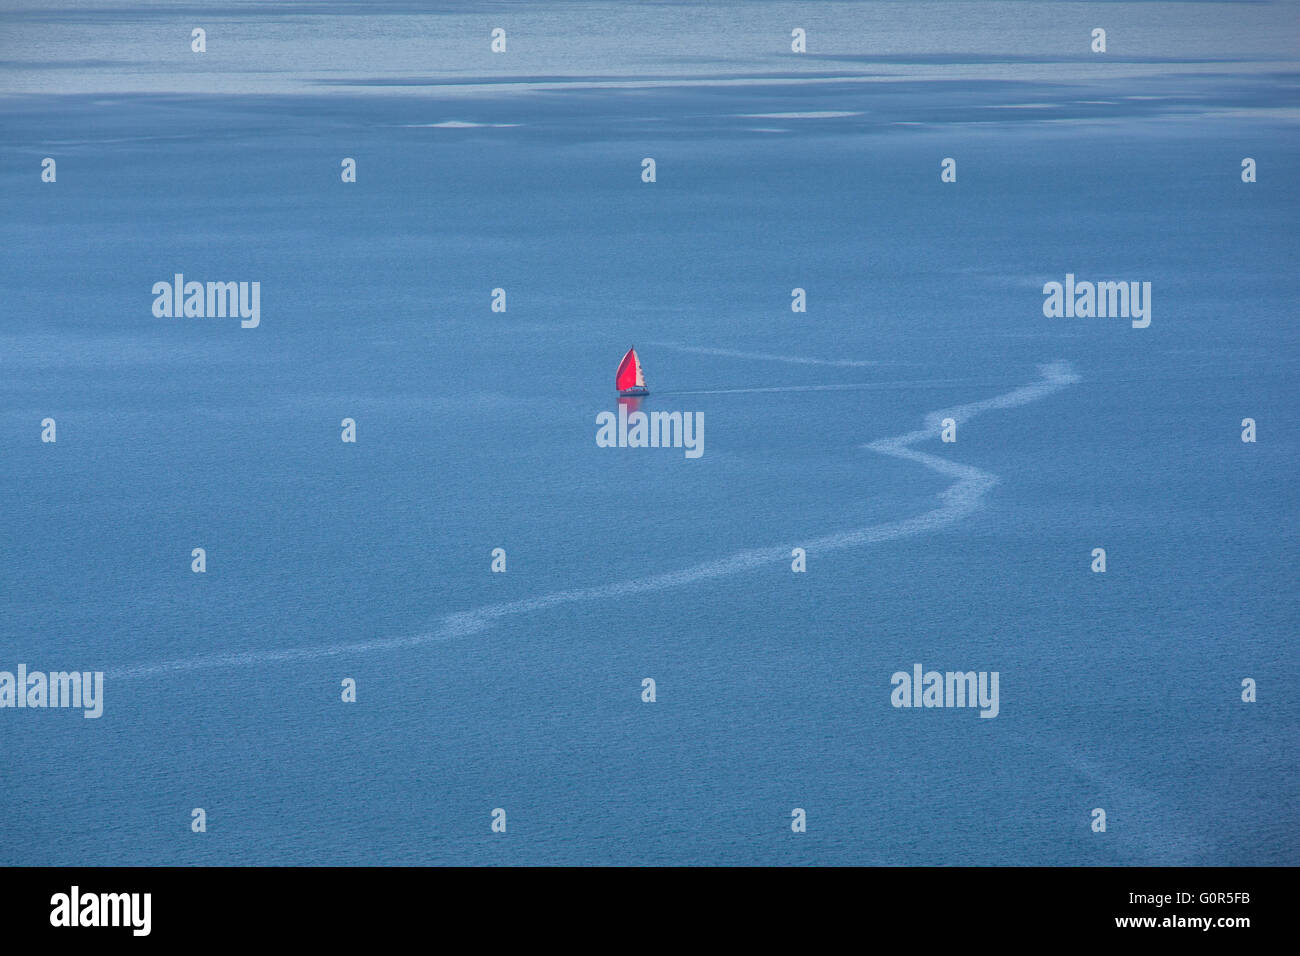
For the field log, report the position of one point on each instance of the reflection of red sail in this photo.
(629, 377)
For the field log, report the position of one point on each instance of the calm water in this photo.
(476, 430)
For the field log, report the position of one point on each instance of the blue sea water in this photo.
(476, 430)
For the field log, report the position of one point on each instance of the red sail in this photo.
(626, 377)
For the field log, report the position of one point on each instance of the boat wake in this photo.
(767, 357)
(959, 499)
(895, 386)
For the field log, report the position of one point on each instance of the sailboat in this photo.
(629, 380)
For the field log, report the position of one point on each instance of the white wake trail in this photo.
(956, 501)
(847, 387)
(765, 356)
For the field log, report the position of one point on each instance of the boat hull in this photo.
(637, 391)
